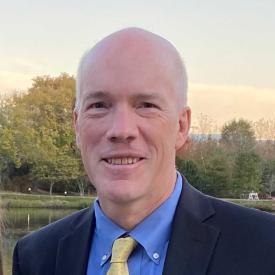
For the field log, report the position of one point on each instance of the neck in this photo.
(129, 214)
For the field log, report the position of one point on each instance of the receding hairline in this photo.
(131, 38)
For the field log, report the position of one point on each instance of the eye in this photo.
(98, 105)
(148, 105)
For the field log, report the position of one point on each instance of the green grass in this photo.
(16, 200)
(265, 205)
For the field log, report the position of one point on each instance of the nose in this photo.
(123, 128)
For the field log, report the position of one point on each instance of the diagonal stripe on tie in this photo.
(122, 249)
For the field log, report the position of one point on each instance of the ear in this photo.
(184, 127)
(76, 128)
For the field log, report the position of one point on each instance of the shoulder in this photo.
(226, 215)
(246, 238)
(238, 225)
(48, 236)
(37, 251)
(232, 215)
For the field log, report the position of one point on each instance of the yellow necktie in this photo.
(122, 248)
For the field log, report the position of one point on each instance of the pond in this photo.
(19, 222)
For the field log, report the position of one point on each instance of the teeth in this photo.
(116, 161)
(123, 161)
(129, 160)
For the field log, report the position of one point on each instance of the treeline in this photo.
(38, 152)
(233, 164)
(37, 148)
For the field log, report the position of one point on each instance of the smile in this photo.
(122, 161)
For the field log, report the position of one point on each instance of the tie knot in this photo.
(122, 248)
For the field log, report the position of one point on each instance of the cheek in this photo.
(90, 134)
(161, 137)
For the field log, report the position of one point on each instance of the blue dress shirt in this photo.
(152, 235)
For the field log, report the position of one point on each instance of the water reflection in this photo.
(19, 222)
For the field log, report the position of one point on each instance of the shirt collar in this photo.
(152, 233)
(107, 231)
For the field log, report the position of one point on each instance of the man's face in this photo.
(129, 127)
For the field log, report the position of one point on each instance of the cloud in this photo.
(11, 81)
(27, 66)
(16, 73)
(223, 103)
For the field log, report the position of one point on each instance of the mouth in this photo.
(122, 160)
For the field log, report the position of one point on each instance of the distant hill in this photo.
(205, 137)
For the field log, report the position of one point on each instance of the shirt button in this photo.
(155, 256)
(104, 257)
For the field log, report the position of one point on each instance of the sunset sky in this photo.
(228, 46)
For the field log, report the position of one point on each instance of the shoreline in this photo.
(19, 200)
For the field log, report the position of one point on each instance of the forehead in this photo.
(129, 69)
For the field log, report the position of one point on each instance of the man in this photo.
(131, 117)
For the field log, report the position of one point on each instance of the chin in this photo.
(122, 191)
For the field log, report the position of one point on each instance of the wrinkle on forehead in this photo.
(140, 46)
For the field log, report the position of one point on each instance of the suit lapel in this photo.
(74, 248)
(192, 241)
(191, 244)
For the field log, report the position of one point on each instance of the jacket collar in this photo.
(192, 241)
(73, 249)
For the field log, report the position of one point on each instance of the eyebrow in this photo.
(139, 96)
(95, 95)
(148, 96)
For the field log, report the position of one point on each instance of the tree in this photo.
(3, 170)
(190, 170)
(9, 151)
(205, 125)
(268, 177)
(39, 131)
(238, 136)
(247, 173)
(216, 176)
(210, 174)
(55, 157)
(265, 129)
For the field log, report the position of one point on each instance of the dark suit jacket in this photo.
(209, 236)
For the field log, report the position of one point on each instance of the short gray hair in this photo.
(79, 78)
